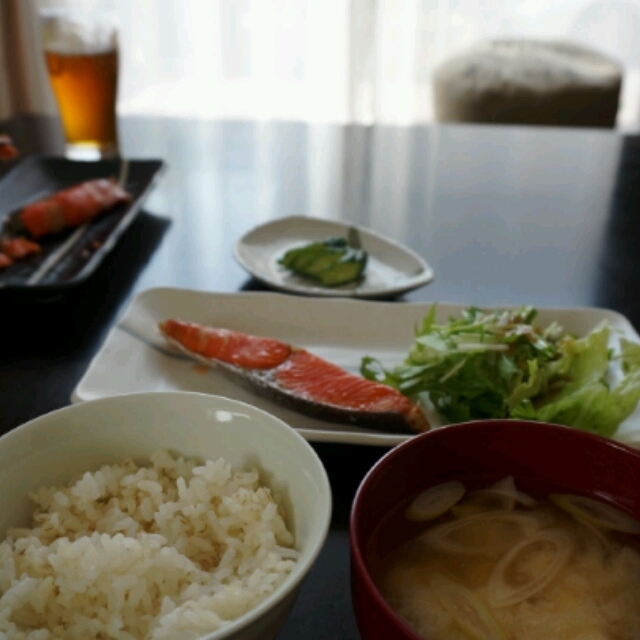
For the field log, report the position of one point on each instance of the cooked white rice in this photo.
(173, 550)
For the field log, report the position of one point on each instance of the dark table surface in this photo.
(504, 215)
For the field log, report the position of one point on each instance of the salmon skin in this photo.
(71, 207)
(296, 378)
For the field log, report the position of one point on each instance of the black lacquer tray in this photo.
(69, 258)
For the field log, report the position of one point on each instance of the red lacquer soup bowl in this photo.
(542, 458)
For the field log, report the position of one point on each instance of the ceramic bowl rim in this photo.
(293, 580)
(355, 517)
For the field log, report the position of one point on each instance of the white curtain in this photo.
(324, 60)
(23, 83)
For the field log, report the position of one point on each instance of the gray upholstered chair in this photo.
(528, 82)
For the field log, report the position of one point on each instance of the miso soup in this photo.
(494, 563)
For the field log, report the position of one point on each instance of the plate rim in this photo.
(426, 276)
(321, 435)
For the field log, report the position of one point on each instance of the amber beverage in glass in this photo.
(81, 54)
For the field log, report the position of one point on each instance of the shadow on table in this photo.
(325, 599)
(64, 323)
(252, 284)
(46, 345)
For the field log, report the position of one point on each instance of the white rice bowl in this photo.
(166, 547)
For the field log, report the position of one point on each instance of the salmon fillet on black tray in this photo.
(60, 217)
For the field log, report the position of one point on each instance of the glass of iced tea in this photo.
(81, 52)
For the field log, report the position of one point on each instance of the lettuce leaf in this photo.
(500, 365)
(587, 402)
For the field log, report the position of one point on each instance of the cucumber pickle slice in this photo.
(331, 262)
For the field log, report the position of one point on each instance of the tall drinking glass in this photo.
(81, 52)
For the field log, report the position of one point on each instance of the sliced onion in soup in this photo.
(488, 534)
(466, 609)
(595, 532)
(435, 501)
(504, 592)
(596, 513)
(482, 502)
(501, 496)
(507, 489)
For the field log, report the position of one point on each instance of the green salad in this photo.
(501, 365)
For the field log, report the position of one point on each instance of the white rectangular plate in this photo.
(136, 358)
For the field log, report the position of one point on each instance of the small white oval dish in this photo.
(392, 269)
